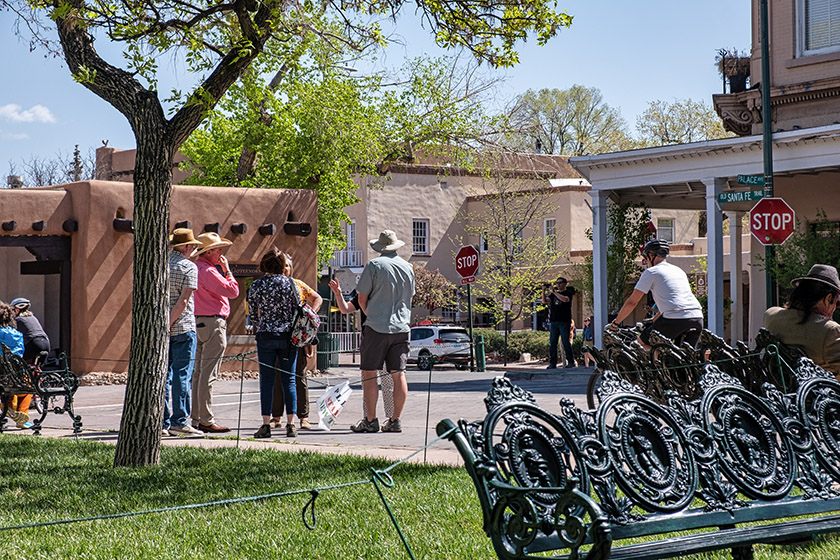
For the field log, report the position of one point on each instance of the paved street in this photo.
(451, 394)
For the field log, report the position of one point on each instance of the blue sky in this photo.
(634, 52)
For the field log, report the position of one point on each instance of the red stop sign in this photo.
(466, 261)
(772, 221)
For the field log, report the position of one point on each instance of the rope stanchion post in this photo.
(241, 358)
(388, 481)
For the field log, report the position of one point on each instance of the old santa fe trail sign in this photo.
(466, 263)
(772, 221)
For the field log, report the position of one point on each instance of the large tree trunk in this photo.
(140, 428)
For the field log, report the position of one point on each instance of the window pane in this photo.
(665, 229)
(420, 237)
(550, 235)
(822, 24)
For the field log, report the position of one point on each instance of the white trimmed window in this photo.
(483, 243)
(665, 229)
(420, 237)
(550, 235)
(818, 23)
(351, 236)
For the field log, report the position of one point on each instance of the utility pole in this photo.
(767, 141)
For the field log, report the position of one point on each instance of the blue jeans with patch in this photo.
(274, 355)
(178, 379)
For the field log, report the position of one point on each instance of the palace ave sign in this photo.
(772, 221)
(466, 263)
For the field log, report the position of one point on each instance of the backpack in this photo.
(305, 326)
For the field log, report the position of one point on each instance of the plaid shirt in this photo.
(182, 274)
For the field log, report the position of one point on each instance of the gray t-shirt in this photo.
(388, 281)
(671, 291)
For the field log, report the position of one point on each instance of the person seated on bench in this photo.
(681, 314)
(18, 406)
(805, 321)
(35, 339)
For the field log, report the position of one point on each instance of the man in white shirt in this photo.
(680, 312)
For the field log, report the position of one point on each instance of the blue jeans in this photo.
(178, 378)
(559, 330)
(274, 357)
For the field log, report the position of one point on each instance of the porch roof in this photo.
(673, 176)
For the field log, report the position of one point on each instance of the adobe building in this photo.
(69, 248)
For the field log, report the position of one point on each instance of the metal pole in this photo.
(767, 141)
(507, 329)
(472, 340)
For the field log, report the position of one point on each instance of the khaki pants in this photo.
(210, 348)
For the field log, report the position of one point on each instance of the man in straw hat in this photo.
(212, 307)
(385, 291)
(183, 280)
(805, 320)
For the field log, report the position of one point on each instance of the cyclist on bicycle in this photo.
(680, 312)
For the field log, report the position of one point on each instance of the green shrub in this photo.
(532, 342)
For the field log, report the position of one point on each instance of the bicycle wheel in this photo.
(592, 389)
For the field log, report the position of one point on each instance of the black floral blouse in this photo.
(272, 303)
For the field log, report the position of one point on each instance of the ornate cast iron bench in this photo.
(635, 479)
(55, 389)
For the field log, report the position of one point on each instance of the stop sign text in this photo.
(772, 221)
(466, 263)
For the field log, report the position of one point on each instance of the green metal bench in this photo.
(635, 479)
(54, 389)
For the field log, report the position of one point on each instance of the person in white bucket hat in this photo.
(385, 291)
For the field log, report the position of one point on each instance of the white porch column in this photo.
(599, 262)
(758, 288)
(714, 234)
(736, 315)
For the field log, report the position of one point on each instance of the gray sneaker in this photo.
(392, 425)
(365, 426)
(164, 433)
(186, 430)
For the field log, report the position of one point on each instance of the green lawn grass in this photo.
(46, 480)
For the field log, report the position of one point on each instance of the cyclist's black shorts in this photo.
(673, 328)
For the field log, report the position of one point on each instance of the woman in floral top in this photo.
(273, 301)
(310, 297)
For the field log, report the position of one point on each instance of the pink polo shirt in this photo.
(214, 290)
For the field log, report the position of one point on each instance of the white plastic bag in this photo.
(331, 403)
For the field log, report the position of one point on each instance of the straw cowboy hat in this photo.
(821, 273)
(181, 237)
(210, 240)
(387, 242)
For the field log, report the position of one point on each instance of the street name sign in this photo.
(772, 221)
(740, 196)
(751, 180)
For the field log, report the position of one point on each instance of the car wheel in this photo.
(424, 360)
(461, 367)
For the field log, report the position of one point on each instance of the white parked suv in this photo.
(445, 343)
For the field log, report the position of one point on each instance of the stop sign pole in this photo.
(466, 265)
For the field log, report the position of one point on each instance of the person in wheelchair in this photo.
(17, 406)
(680, 316)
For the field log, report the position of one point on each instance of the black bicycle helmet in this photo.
(658, 247)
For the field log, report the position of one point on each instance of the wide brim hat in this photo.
(210, 240)
(181, 237)
(387, 242)
(824, 273)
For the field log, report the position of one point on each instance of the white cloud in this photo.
(14, 136)
(36, 113)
